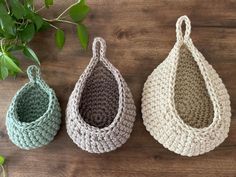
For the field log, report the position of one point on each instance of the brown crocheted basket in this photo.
(101, 111)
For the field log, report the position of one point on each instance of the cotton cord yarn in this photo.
(33, 117)
(101, 111)
(185, 105)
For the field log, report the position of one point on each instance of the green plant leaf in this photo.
(28, 33)
(83, 2)
(48, 3)
(2, 160)
(60, 38)
(78, 12)
(28, 52)
(37, 20)
(15, 47)
(16, 61)
(6, 22)
(28, 12)
(17, 9)
(1, 32)
(82, 34)
(10, 64)
(44, 26)
(4, 74)
(28, 3)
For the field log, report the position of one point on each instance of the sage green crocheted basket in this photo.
(33, 117)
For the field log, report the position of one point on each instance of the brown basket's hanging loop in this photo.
(179, 34)
(99, 48)
(33, 73)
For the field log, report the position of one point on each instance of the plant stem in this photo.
(41, 8)
(8, 9)
(2, 46)
(59, 20)
(66, 21)
(66, 10)
(3, 171)
(18, 23)
(64, 17)
(53, 26)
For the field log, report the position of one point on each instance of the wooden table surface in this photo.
(139, 35)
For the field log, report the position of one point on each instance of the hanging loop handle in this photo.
(99, 48)
(33, 73)
(179, 32)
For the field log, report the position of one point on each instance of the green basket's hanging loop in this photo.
(33, 73)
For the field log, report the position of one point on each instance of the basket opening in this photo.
(192, 100)
(32, 104)
(100, 97)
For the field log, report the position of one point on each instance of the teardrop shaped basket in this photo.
(185, 105)
(101, 111)
(34, 116)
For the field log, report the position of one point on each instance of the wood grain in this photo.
(139, 35)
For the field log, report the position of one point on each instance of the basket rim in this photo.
(18, 96)
(198, 58)
(117, 76)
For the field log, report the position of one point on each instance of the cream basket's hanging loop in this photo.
(99, 48)
(33, 73)
(179, 33)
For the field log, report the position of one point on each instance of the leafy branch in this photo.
(20, 22)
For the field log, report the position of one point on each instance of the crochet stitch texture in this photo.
(185, 105)
(101, 111)
(33, 117)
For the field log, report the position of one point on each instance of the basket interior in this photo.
(100, 97)
(32, 104)
(192, 100)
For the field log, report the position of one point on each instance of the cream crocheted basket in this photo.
(101, 111)
(185, 105)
